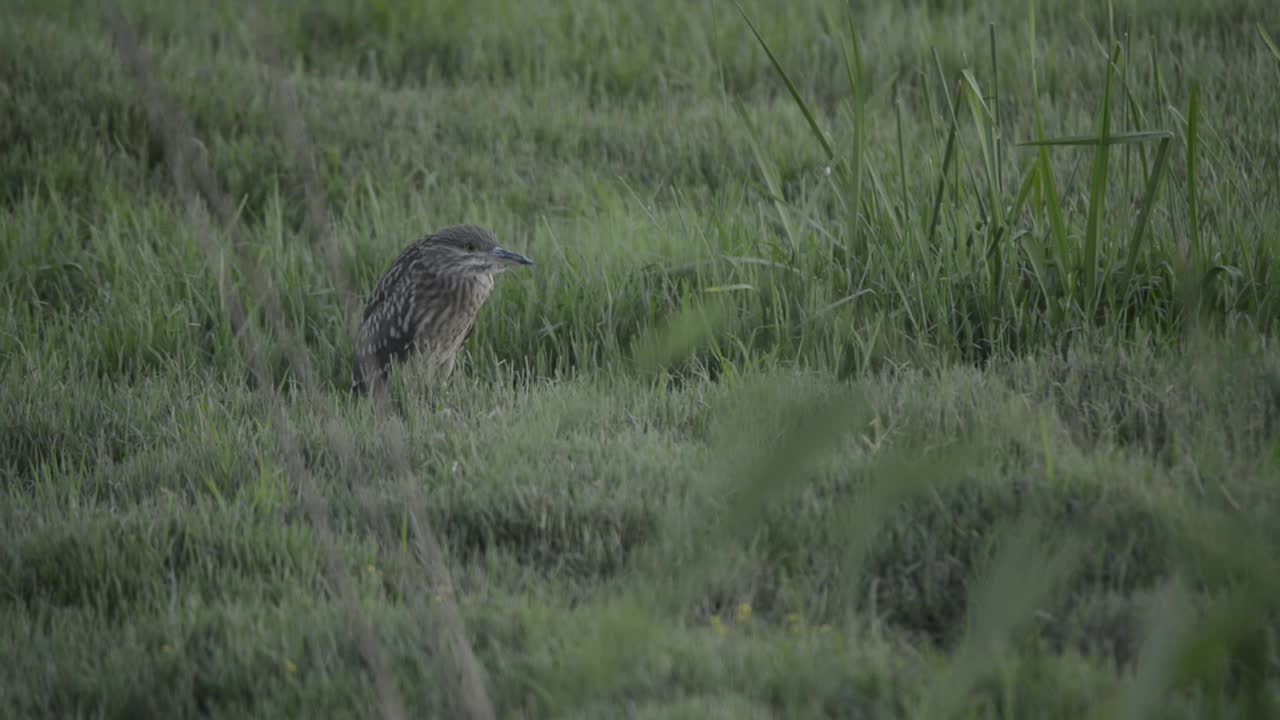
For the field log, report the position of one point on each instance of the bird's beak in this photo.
(510, 257)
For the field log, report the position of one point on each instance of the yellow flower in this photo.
(744, 612)
(717, 626)
(167, 649)
(793, 621)
(289, 667)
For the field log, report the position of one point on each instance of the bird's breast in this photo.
(447, 310)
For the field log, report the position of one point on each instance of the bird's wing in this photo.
(387, 331)
(471, 327)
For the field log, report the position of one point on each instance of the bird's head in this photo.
(472, 250)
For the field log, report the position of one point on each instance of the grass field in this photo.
(900, 360)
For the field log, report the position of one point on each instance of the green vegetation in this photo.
(893, 361)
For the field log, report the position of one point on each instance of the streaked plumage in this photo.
(425, 305)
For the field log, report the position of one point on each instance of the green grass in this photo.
(896, 362)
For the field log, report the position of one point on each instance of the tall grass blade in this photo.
(982, 118)
(1271, 44)
(1052, 204)
(902, 161)
(947, 157)
(1129, 138)
(773, 184)
(791, 87)
(1193, 157)
(995, 111)
(1098, 191)
(1024, 191)
(857, 92)
(1144, 210)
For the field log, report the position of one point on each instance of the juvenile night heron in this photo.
(425, 305)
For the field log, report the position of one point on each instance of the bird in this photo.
(424, 306)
